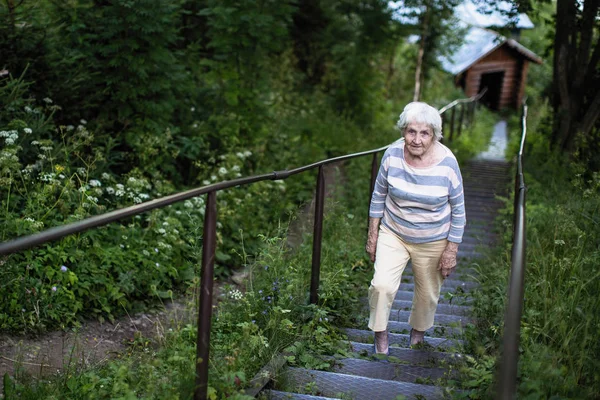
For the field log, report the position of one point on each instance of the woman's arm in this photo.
(372, 237)
(377, 205)
(458, 221)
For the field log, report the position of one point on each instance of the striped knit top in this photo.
(419, 204)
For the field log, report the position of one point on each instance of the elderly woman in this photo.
(418, 199)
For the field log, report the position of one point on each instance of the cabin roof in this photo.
(478, 43)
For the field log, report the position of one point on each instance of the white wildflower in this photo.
(206, 182)
(28, 131)
(146, 252)
(240, 155)
(213, 177)
(70, 128)
(222, 171)
(105, 176)
(236, 168)
(9, 141)
(178, 212)
(46, 148)
(165, 223)
(83, 121)
(188, 204)
(247, 153)
(47, 100)
(137, 200)
(28, 109)
(119, 193)
(61, 176)
(110, 190)
(120, 186)
(95, 183)
(236, 294)
(162, 231)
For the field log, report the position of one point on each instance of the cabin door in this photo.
(493, 82)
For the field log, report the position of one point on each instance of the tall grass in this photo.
(561, 315)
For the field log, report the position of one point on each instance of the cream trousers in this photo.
(391, 257)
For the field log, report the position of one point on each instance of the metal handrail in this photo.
(507, 382)
(209, 237)
(471, 99)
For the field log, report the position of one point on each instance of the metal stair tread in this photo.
(440, 319)
(458, 299)
(434, 331)
(448, 309)
(279, 395)
(423, 357)
(332, 383)
(387, 371)
(448, 285)
(366, 336)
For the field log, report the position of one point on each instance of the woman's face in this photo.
(418, 138)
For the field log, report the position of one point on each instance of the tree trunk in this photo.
(421, 55)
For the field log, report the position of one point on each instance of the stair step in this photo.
(437, 331)
(277, 395)
(440, 319)
(428, 358)
(448, 283)
(334, 384)
(447, 286)
(388, 371)
(445, 297)
(401, 339)
(448, 309)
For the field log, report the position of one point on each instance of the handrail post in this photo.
(317, 238)
(460, 123)
(205, 297)
(452, 123)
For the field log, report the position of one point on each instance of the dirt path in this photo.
(87, 346)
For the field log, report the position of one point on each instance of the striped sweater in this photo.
(419, 204)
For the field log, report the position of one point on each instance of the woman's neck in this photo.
(429, 158)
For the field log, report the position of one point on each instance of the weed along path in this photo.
(425, 371)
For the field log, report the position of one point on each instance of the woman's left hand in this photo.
(448, 260)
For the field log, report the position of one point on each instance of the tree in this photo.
(576, 71)
(437, 30)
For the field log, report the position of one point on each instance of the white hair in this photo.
(422, 113)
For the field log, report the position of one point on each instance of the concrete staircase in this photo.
(420, 373)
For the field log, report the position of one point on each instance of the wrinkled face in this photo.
(419, 138)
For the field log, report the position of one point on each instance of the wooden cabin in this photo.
(486, 59)
(501, 69)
